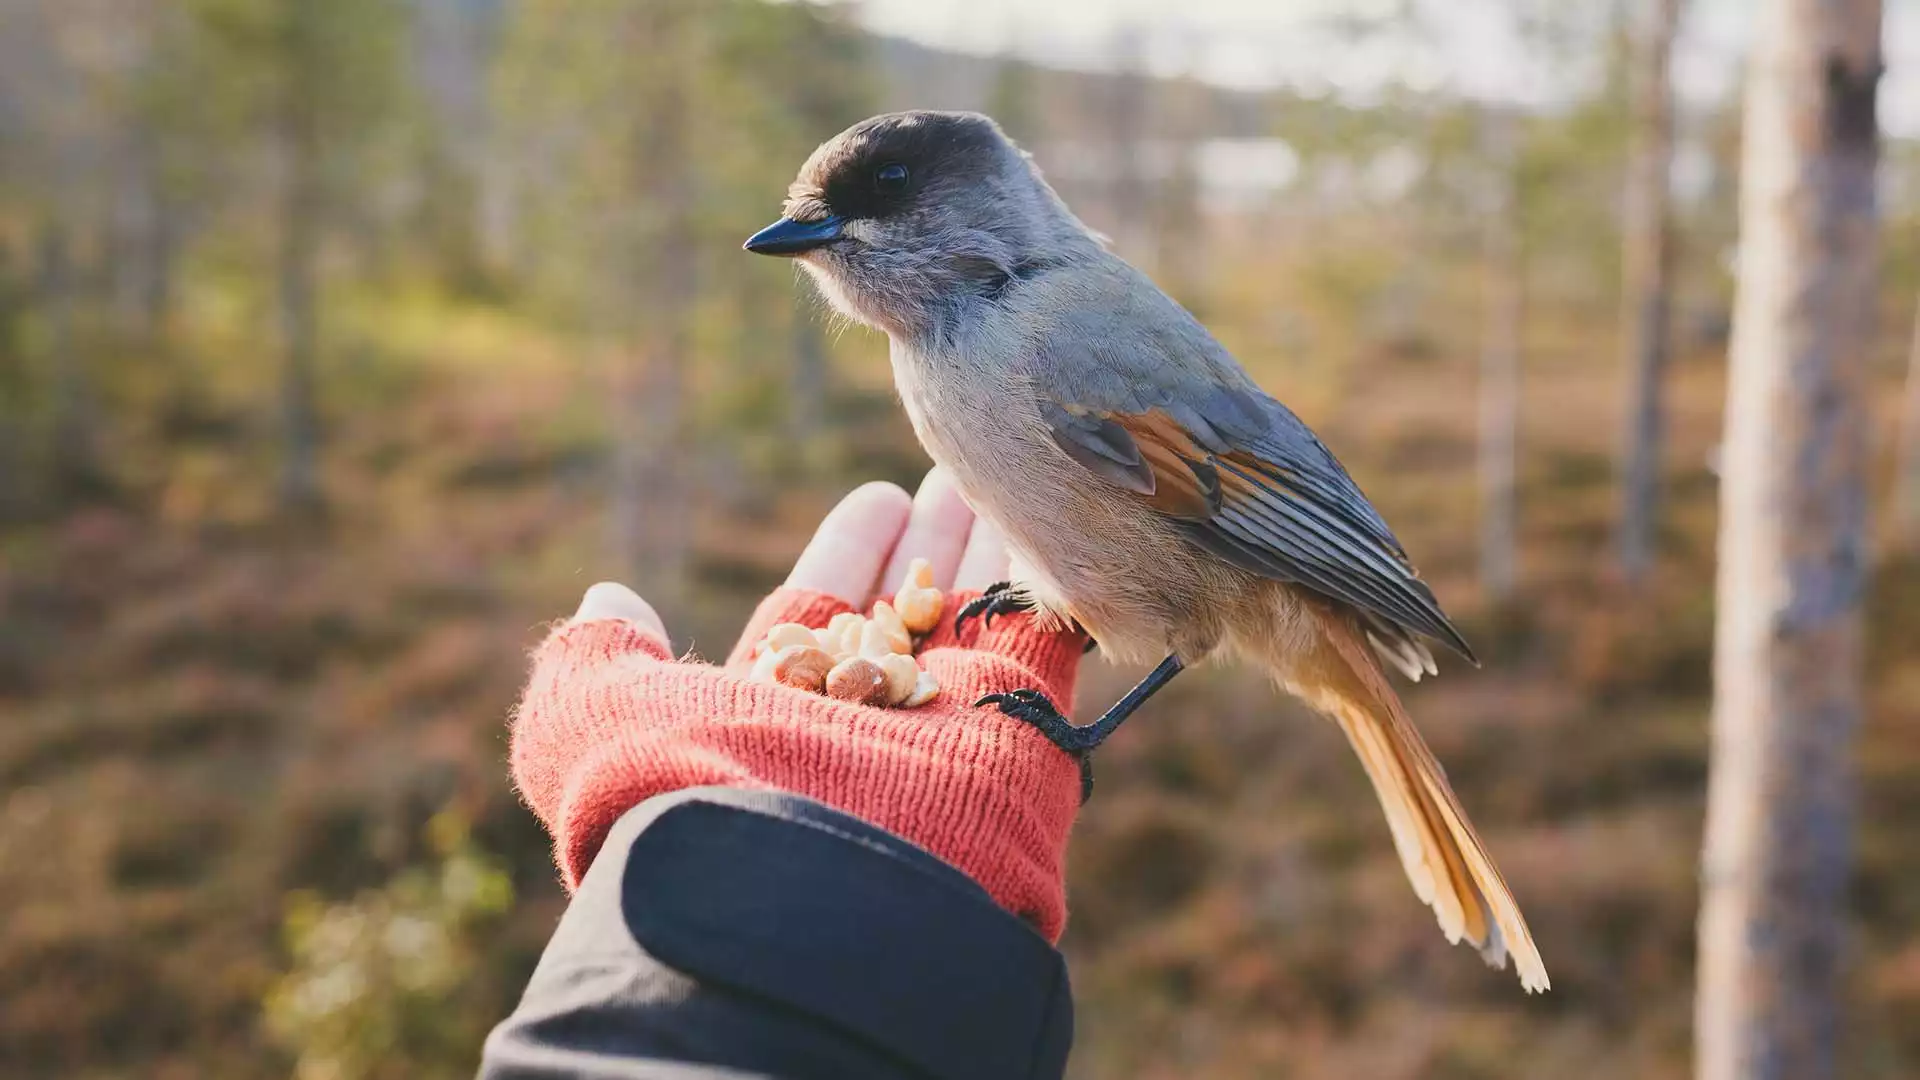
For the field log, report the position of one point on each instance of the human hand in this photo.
(861, 551)
(610, 719)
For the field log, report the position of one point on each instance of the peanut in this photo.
(875, 642)
(848, 642)
(919, 575)
(763, 666)
(902, 674)
(925, 689)
(864, 659)
(802, 667)
(837, 626)
(898, 638)
(858, 680)
(788, 634)
(919, 608)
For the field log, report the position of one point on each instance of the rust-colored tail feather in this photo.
(1445, 861)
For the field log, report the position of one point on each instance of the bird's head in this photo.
(905, 218)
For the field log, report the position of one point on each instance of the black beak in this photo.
(790, 237)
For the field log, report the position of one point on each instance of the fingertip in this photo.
(986, 561)
(850, 547)
(876, 497)
(612, 600)
(936, 531)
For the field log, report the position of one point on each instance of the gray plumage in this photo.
(1148, 489)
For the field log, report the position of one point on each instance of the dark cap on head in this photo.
(879, 165)
(878, 168)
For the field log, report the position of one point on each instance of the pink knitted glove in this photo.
(610, 719)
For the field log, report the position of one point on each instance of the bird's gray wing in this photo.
(1249, 482)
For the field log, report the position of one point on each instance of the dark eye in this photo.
(890, 179)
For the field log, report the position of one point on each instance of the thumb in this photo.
(612, 600)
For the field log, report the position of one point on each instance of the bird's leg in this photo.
(1033, 707)
(1001, 598)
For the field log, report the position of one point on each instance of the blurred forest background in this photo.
(343, 344)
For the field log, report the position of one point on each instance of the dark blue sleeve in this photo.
(737, 934)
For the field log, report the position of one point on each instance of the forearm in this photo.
(752, 933)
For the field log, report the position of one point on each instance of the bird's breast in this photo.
(972, 420)
(1096, 553)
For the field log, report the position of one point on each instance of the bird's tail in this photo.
(1444, 859)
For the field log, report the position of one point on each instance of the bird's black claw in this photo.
(1001, 599)
(998, 599)
(1032, 707)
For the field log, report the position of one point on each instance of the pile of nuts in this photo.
(864, 659)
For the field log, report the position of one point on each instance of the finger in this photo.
(808, 607)
(937, 532)
(846, 553)
(985, 561)
(612, 600)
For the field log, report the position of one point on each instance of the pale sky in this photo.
(1261, 43)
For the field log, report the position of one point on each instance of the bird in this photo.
(1150, 493)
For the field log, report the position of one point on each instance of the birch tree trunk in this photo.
(159, 248)
(13, 387)
(1120, 117)
(1787, 652)
(75, 467)
(1906, 494)
(650, 501)
(300, 210)
(139, 240)
(1505, 300)
(1646, 259)
(809, 381)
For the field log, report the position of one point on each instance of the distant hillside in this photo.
(920, 76)
(455, 38)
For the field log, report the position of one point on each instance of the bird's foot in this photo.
(1000, 598)
(1032, 707)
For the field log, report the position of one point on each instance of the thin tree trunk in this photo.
(651, 506)
(1122, 122)
(1180, 232)
(300, 211)
(1787, 651)
(1505, 299)
(655, 491)
(1647, 257)
(130, 257)
(1180, 253)
(13, 388)
(1013, 100)
(74, 464)
(810, 377)
(161, 249)
(1906, 495)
